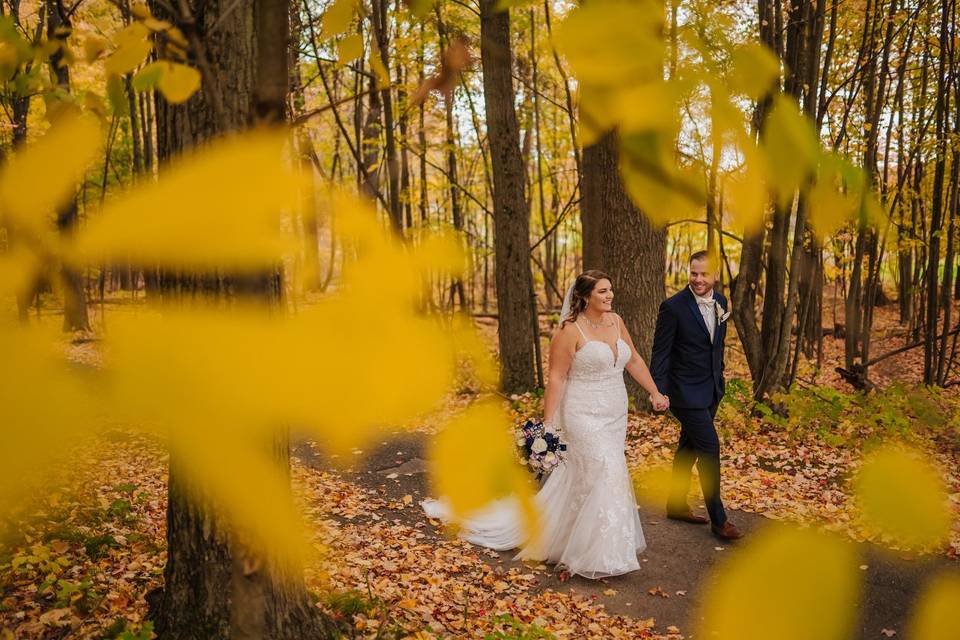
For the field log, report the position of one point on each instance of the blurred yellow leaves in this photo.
(935, 617)
(791, 147)
(219, 382)
(133, 47)
(903, 497)
(336, 20)
(349, 49)
(472, 463)
(652, 485)
(218, 208)
(755, 70)
(177, 82)
(617, 51)
(45, 174)
(836, 197)
(610, 43)
(775, 584)
(45, 409)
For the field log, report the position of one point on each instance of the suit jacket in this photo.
(686, 365)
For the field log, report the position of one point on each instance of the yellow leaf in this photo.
(755, 69)
(747, 190)
(780, 575)
(349, 49)
(376, 64)
(132, 49)
(34, 431)
(902, 496)
(791, 147)
(93, 46)
(178, 82)
(218, 208)
(45, 174)
(336, 20)
(935, 615)
(647, 106)
(140, 10)
(832, 201)
(660, 190)
(652, 485)
(18, 268)
(177, 38)
(472, 462)
(156, 25)
(419, 8)
(613, 43)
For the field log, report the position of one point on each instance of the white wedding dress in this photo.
(587, 507)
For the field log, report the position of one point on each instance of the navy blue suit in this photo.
(688, 368)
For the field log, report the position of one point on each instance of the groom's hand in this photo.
(661, 403)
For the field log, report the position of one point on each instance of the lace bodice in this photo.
(595, 361)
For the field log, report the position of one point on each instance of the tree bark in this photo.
(74, 300)
(213, 586)
(619, 239)
(510, 209)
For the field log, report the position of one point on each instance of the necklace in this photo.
(596, 325)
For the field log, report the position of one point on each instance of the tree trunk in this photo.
(623, 242)
(937, 209)
(511, 212)
(378, 19)
(213, 586)
(74, 301)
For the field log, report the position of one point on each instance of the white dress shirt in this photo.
(708, 310)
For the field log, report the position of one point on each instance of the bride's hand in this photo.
(660, 402)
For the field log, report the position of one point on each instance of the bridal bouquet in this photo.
(539, 447)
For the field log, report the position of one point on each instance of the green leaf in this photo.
(117, 96)
(148, 77)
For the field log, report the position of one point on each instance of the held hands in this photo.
(660, 402)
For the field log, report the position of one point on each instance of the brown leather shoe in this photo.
(726, 531)
(687, 516)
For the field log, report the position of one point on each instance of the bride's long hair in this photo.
(580, 292)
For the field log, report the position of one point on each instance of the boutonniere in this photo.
(722, 314)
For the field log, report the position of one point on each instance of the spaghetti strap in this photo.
(577, 324)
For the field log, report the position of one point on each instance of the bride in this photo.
(587, 507)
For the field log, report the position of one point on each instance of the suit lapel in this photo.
(695, 310)
(717, 324)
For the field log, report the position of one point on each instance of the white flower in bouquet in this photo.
(539, 445)
(521, 441)
(550, 458)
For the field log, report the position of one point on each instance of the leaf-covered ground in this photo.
(78, 562)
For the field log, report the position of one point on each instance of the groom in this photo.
(687, 365)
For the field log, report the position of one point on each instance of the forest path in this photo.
(677, 564)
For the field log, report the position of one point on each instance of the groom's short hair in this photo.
(699, 255)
